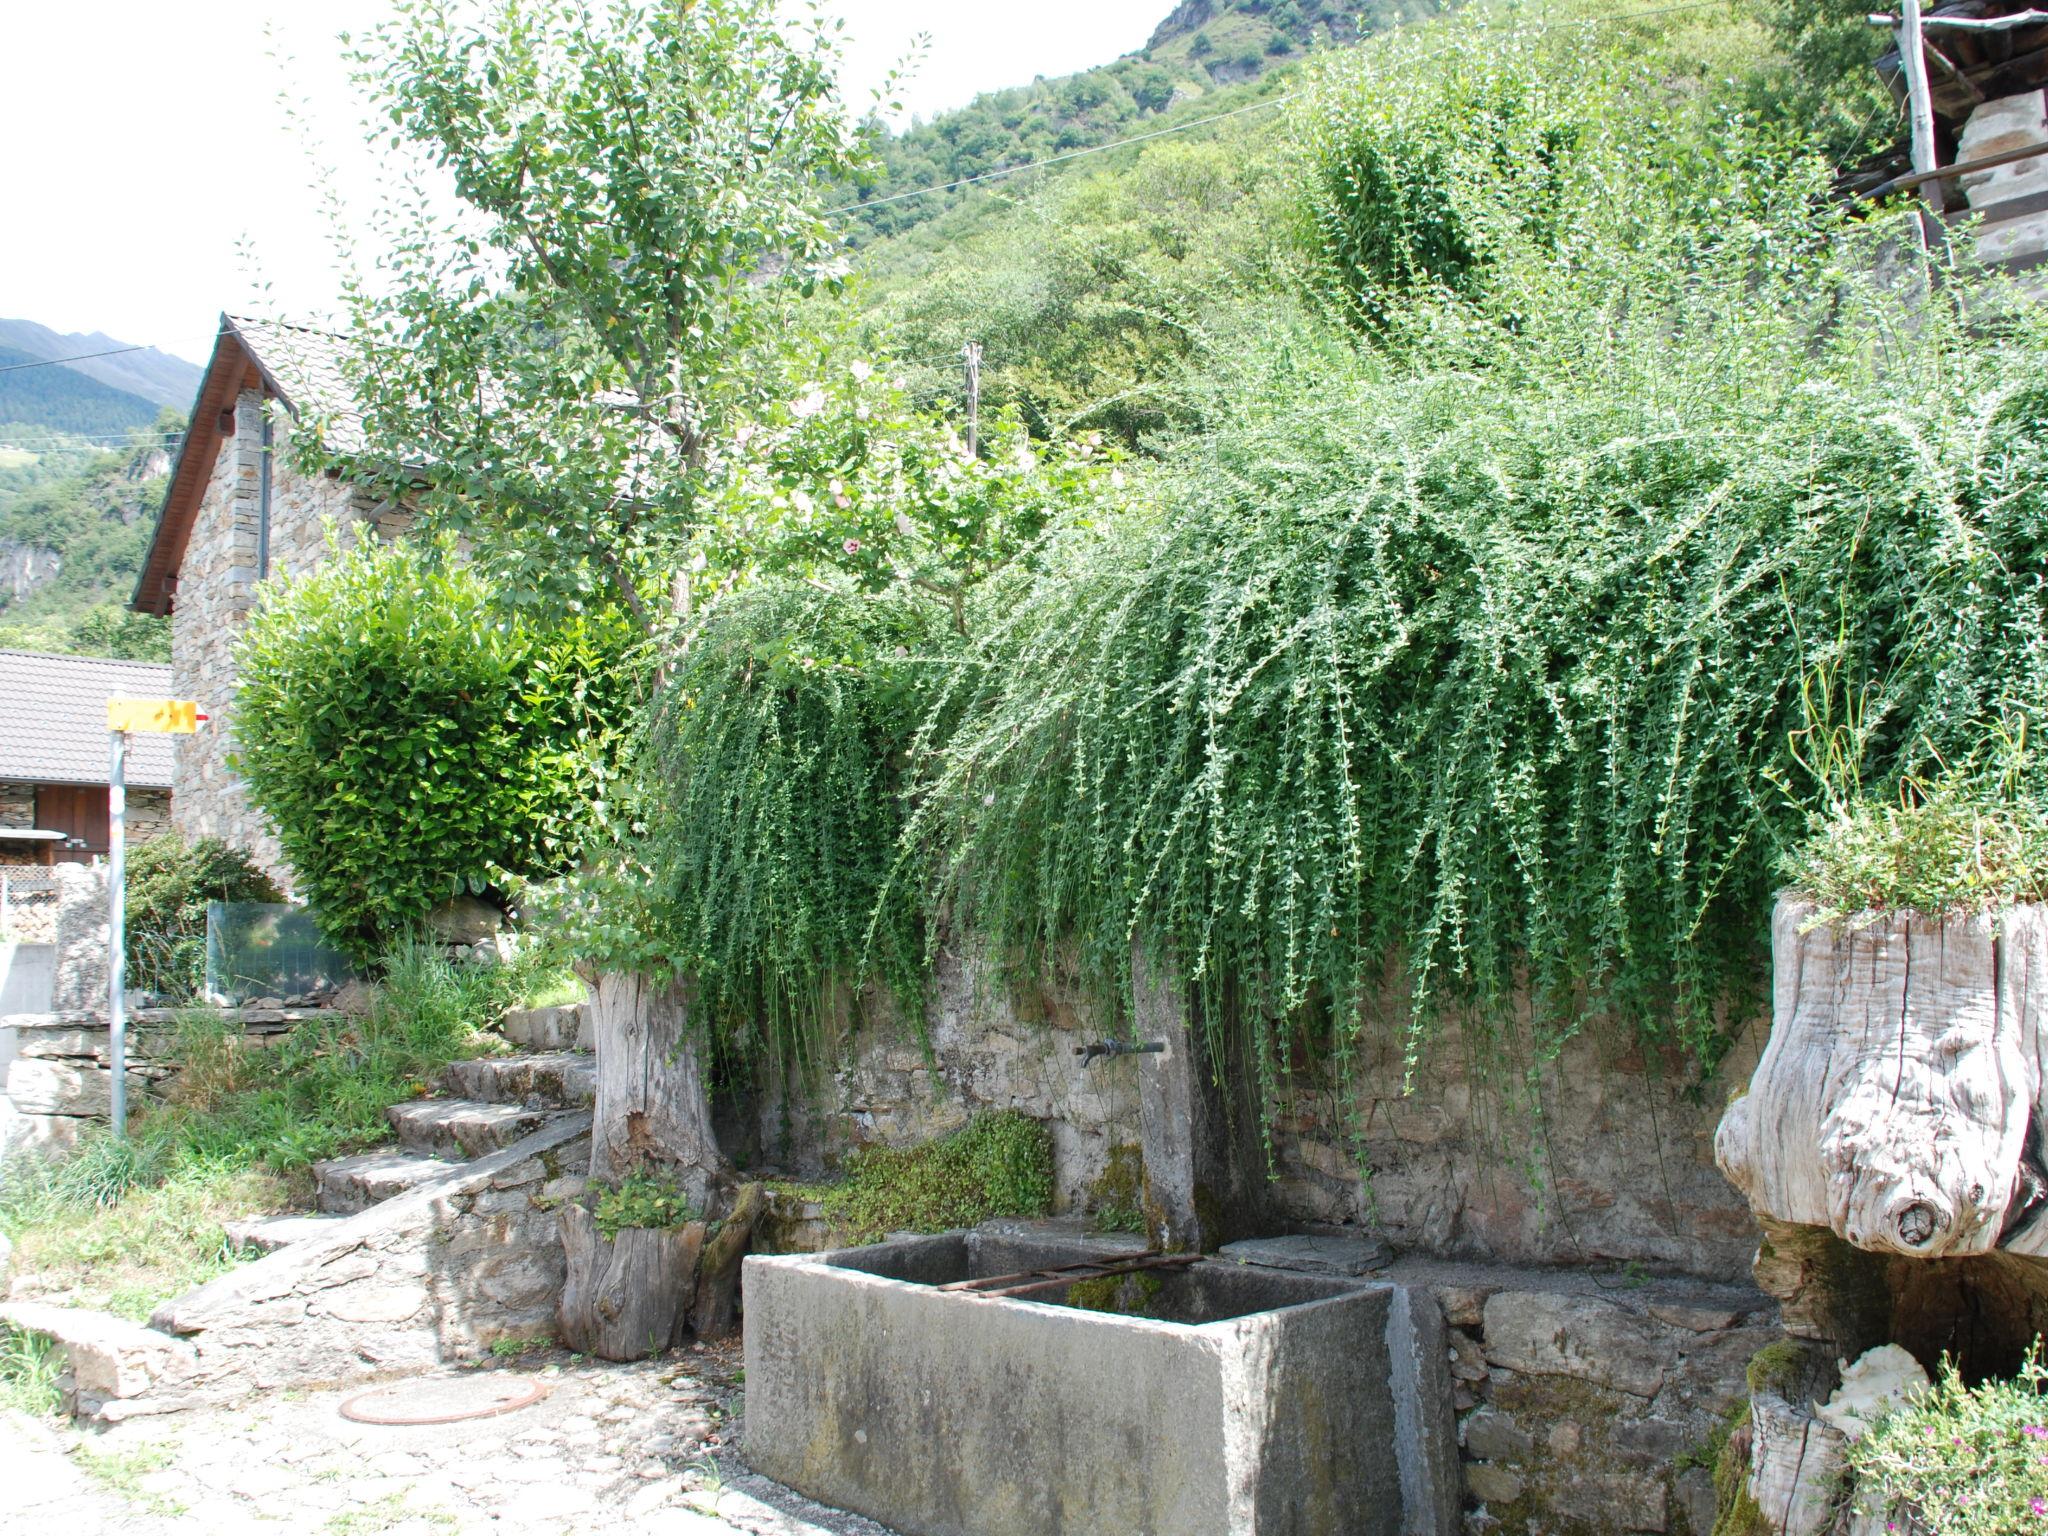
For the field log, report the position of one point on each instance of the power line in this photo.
(1202, 122)
(83, 357)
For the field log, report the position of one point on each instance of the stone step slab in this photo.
(540, 1080)
(267, 1234)
(563, 1028)
(349, 1184)
(108, 1356)
(462, 1128)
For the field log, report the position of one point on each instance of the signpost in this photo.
(156, 717)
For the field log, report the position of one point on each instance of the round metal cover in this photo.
(444, 1399)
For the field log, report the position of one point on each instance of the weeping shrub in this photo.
(410, 741)
(768, 813)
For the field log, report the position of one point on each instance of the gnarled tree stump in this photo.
(1898, 1102)
(626, 1299)
(652, 1111)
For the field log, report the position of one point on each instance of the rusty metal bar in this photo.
(1030, 1281)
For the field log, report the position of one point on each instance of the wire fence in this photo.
(28, 904)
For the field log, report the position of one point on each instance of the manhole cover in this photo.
(444, 1399)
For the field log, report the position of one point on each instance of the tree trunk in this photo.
(652, 1111)
(718, 1277)
(1896, 1103)
(625, 1299)
(1796, 1466)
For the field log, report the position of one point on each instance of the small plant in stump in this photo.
(632, 1268)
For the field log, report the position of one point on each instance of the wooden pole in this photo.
(972, 353)
(1913, 58)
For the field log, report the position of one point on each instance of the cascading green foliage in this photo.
(775, 765)
(1492, 632)
(1484, 645)
(410, 741)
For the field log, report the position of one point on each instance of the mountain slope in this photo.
(65, 400)
(1200, 50)
(154, 376)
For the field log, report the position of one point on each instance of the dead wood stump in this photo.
(718, 1277)
(626, 1298)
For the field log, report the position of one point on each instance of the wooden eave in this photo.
(232, 369)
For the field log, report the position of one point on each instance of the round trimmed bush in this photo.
(412, 741)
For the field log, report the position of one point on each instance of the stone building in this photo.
(53, 756)
(237, 514)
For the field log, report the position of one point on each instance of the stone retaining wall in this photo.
(60, 1068)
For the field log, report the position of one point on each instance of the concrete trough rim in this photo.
(1347, 1287)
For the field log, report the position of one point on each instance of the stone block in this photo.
(107, 1356)
(49, 1086)
(1612, 1501)
(940, 1412)
(1490, 1435)
(1542, 1333)
(1315, 1255)
(1492, 1485)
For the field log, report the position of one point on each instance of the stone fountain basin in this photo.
(1248, 1400)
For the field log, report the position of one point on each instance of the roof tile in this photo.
(53, 719)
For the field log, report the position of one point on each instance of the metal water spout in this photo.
(1088, 1053)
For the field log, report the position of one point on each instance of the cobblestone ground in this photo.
(627, 1448)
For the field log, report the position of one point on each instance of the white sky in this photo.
(145, 155)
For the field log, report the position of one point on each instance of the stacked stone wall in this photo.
(218, 586)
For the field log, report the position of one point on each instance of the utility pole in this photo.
(1919, 99)
(117, 922)
(972, 353)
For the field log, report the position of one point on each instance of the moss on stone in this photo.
(1127, 1295)
(1117, 1198)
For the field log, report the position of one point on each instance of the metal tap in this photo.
(1088, 1053)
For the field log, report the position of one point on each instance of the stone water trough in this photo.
(1230, 1398)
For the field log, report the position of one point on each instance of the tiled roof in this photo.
(53, 719)
(304, 366)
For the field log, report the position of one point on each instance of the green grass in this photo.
(28, 1373)
(122, 1472)
(998, 1164)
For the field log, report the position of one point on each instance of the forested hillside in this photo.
(87, 425)
(75, 522)
(1186, 70)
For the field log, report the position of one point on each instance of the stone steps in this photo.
(267, 1234)
(350, 1184)
(564, 1028)
(462, 1128)
(546, 1079)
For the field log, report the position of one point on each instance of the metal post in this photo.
(1913, 59)
(117, 937)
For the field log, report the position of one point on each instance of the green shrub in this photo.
(1960, 1460)
(998, 1164)
(642, 1200)
(411, 741)
(169, 883)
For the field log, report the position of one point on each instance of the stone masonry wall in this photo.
(148, 814)
(17, 806)
(217, 591)
(1615, 1164)
(989, 1048)
(1622, 1171)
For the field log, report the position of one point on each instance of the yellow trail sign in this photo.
(157, 717)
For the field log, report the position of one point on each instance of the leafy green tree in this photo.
(556, 372)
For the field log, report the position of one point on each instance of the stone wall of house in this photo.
(217, 590)
(17, 805)
(148, 814)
